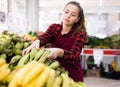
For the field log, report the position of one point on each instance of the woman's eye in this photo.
(73, 15)
(66, 11)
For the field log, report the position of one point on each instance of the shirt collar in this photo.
(59, 28)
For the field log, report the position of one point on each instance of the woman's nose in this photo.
(68, 15)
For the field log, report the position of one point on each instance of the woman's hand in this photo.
(55, 52)
(35, 44)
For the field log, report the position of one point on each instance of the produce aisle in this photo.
(31, 70)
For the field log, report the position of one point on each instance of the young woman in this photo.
(67, 40)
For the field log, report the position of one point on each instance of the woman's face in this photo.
(70, 14)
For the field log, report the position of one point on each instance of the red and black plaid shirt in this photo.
(72, 45)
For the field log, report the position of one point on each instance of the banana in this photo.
(80, 84)
(19, 45)
(14, 59)
(14, 81)
(54, 65)
(51, 78)
(72, 83)
(25, 70)
(4, 56)
(31, 84)
(44, 56)
(2, 61)
(38, 54)
(48, 62)
(33, 52)
(11, 75)
(42, 78)
(65, 80)
(26, 44)
(33, 73)
(58, 72)
(4, 73)
(17, 51)
(23, 60)
(57, 82)
(4, 66)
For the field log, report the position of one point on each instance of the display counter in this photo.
(105, 52)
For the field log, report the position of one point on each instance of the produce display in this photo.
(12, 44)
(108, 42)
(31, 70)
(36, 74)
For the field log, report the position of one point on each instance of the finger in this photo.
(23, 53)
(46, 49)
(37, 47)
(49, 56)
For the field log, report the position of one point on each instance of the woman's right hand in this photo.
(35, 44)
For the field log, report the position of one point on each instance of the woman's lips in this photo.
(66, 20)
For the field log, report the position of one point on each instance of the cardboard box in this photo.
(93, 72)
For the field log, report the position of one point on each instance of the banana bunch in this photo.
(12, 44)
(36, 74)
(33, 74)
(40, 55)
(4, 38)
(4, 70)
(19, 61)
(30, 37)
(36, 55)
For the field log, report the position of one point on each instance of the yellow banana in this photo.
(51, 78)
(4, 73)
(14, 81)
(32, 83)
(72, 83)
(33, 73)
(25, 70)
(2, 61)
(42, 78)
(11, 75)
(4, 67)
(57, 82)
(65, 80)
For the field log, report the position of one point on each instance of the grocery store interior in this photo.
(100, 57)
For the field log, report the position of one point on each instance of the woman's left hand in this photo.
(55, 52)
